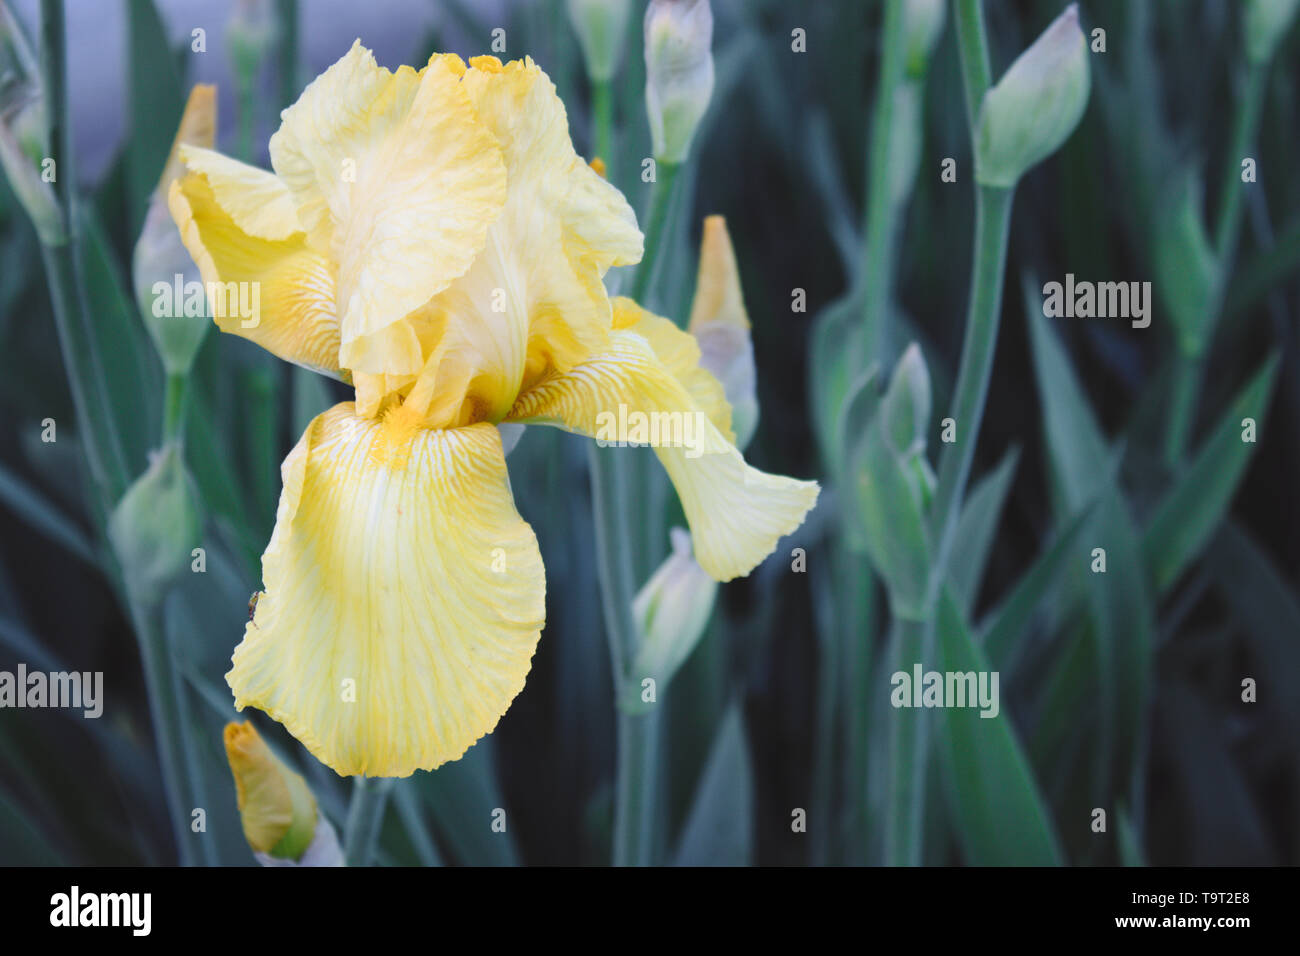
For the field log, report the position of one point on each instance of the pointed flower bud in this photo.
(905, 149)
(601, 26)
(906, 405)
(1035, 106)
(250, 34)
(160, 255)
(1267, 22)
(891, 485)
(282, 823)
(156, 525)
(922, 24)
(1186, 267)
(721, 327)
(23, 133)
(679, 73)
(671, 612)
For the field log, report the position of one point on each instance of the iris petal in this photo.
(736, 512)
(533, 300)
(397, 181)
(680, 353)
(291, 285)
(404, 596)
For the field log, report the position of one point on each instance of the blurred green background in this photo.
(1121, 691)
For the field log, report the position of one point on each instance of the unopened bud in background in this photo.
(160, 255)
(671, 613)
(601, 26)
(1036, 105)
(1186, 267)
(922, 25)
(1267, 22)
(250, 34)
(24, 147)
(905, 148)
(679, 73)
(892, 485)
(156, 526)
(905, 407)
(281, 821)
(721, 327)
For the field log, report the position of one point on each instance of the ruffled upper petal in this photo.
(288, 287)
(736, 512)
(533, 300)
(404, 596)
(397, 180)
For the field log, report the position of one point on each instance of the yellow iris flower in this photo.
(433, 239)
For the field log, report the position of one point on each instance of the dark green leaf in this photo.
(720, 828)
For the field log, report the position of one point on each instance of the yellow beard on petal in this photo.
(392, 447)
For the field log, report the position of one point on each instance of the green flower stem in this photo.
(613, 558)
(855, 607)
(287, 53)
(365, 818)
(174, 407)
(246, 97)
(176, 753)
(1189, 368)
(637, 798)
(661, 201)
(882, 210)
(909, 733)
(96, 426)
(973, 46)
(992, 226)
(64, 274)
(1245, 128)
(602, 109)
(104, 454)
(261, 385)
(613, 474)
(1182, 406)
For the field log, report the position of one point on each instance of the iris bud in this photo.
(160, 255)
(601, 26)
(671, 612)
(922, 24)
(1036, 105)
(156, 525)
(1266, 23)
(679, 73)
(281, 821)
(721, 327)
(23, 132)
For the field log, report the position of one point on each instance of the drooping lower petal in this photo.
(404, 596)
(736, 512)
